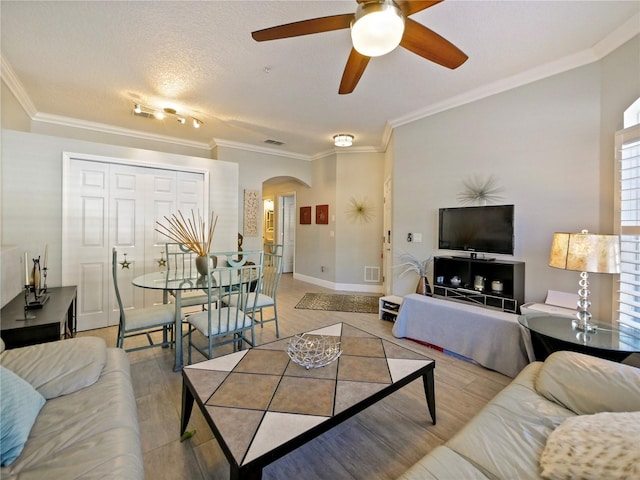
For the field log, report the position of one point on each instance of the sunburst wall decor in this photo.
(360, 210)
(481, 191)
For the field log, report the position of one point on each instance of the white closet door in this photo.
(117, 205)
(86, 242)
(127, 196)
(161, 202)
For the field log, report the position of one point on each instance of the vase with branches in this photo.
(413, 264)
(192, 233)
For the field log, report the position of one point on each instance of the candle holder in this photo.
(27, 315)
(40, 296)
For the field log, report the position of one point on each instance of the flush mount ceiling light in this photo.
(343, 140)
(140, 110)
(377, 28)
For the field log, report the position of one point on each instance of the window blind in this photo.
(628, 224)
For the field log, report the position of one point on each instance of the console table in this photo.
(55, 320)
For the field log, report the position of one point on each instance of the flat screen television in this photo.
(487, 229)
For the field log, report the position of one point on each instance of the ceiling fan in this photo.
(377, 27)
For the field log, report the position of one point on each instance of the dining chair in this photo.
(265, 296)
(142, 321)
(226, 321)
(181, 262)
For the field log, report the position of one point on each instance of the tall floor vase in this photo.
(423, 287)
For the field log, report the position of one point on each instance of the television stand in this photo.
(510, 274)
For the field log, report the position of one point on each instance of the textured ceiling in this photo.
(88, 62)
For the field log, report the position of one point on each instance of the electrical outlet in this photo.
(409, 237)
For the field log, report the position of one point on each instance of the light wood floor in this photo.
(379, 443)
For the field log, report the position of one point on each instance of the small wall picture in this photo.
(322, 214)
(305, 215)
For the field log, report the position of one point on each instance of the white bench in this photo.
(492, 338)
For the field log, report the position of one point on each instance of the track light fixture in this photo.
(150, 112)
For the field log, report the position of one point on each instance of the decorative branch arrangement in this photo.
(481, 191)
(190, 232)
(413, 264)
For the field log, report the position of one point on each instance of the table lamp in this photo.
(585, 252)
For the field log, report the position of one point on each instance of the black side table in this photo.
(55, 320)
(550, 333)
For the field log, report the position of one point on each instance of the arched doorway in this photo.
(279, 215)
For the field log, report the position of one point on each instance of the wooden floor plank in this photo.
(378, 443)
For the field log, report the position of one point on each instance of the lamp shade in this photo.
(585, 252)
(377, 28)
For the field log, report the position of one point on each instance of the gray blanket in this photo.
(492, 338)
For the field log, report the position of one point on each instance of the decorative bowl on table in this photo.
(313, 351)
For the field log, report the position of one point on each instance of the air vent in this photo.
(371, 274)
(143, 114)
(273, 142)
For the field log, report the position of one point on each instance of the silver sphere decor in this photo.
(313, 351)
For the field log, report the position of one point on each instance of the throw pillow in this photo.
(59, 368)
(599, 447)
(19, 408)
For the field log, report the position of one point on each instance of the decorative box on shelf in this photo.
(389, 307)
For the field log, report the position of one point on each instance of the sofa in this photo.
(72, 401)
(573, 416)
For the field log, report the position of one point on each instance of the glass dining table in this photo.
(174, 281)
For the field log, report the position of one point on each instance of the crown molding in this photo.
(15, 86)
(257, 149)
(615, 39)
(618, 37)
(104, 128)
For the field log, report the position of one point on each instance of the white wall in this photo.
(32, 191)
(255, 168)
(358, 243)
(543, 141)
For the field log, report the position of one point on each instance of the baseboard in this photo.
(347, 287)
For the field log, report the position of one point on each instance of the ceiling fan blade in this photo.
(411, 7)
(353, 70)
(428, 44)
(304, 27)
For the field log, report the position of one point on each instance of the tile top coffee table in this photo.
(260, 405)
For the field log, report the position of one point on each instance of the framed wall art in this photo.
(251, 207)
(322, 214)
(305, 215)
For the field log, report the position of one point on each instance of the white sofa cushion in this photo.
(443, 463)
(58, 368)
(587, 385)
(604, 446)
(505, 440)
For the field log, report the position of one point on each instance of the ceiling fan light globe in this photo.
(377, 28)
